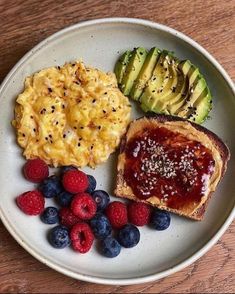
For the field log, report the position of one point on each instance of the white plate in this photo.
(158, 254)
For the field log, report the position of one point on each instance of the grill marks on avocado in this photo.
(164, 84)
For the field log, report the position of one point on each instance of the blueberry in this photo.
(67, 168)
(59, 237)
(129, 236)
(101, 226)
(92, 184)
(51, 187)
(50, 215)
(110, 247)
(64, 199)
(101, 198)
(160, 219)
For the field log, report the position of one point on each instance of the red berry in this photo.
(31, 202)
(81, 237)
(67, 218)
(83, 206)
(75, 181)
(35, 170)
(139, 213)
(117, 214)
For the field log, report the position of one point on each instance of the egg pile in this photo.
(71, 115)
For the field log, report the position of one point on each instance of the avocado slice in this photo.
(133, 68)
(190, 73)
(156, 84)
(198, 104)
(121, 65)
(145, 73)
(202, 107)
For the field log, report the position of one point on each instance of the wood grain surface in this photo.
(23, 23)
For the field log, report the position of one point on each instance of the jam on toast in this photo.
(170, 163)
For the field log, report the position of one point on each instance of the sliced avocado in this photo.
(190, 74)
(121, 65)
(155, 85)
(145, 73)
(202, 107)
(198, 104)
(133, 68)
(179, 90)
(175, 83)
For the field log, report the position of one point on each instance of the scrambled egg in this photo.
(71, 115)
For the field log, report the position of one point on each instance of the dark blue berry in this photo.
(160, 219)
(92, 184)
(67, 168)
(59, 237)
(129, 236)
(110, 247)
(51, 187)
(50, 215)
(101, 198)
(101, 226)
(64, 199)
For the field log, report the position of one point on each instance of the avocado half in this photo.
(164, 84)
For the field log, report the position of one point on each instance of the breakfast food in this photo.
(82, 237)
(170, 163)
(71, 114)
(35, 170)
(82, 217)
(164, 84)
(31, 202)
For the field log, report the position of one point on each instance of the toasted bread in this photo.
(170, 163)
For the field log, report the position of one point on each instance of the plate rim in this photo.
(203, 249)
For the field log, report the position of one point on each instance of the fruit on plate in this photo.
(129, 236)
(71, 115)
(82, 237)
(165, 84)
(59, 237)
(132, 69)
(110, 247)
(31, 202)
(82, 217)
(170, 163)
(35, 170)
(50, 215)
(116, 212)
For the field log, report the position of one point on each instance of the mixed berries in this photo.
(84, 213)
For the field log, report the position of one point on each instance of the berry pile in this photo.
(85, 213)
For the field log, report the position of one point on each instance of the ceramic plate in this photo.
(99, 43)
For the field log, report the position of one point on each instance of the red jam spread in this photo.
(166, 164)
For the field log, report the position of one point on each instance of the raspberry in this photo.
(82, 237)
(139, 213)
(75, 181)
(67, 218)
(31, 202)
(83, 206)
(117, 214)
(35, 170)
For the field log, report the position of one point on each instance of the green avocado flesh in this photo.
(120, 66)
(133, 68)
(164, 84)
(145, 73)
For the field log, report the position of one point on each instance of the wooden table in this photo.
(25, 23)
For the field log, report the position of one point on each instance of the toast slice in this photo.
(170, 163)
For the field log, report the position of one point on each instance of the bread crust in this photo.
(122, 187)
